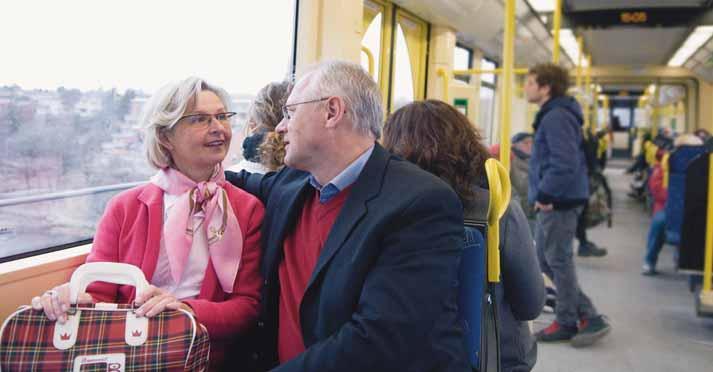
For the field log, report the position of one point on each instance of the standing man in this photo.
(558, 189)
(361, 249)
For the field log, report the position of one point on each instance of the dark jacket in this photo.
(520, 295)
(383, 294)
(558, 168)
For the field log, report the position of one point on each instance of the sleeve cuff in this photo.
(544, 198)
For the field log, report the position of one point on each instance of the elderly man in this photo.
(361, 249)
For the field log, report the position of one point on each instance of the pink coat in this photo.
(130, 232)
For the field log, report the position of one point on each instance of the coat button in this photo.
(256, 356)
(261, 324)
(266, 282)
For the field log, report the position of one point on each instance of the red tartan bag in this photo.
(103, 337)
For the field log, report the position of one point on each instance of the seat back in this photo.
(472, 277)
(678, 162)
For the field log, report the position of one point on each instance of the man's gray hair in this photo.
(358, 89)
(163, 110)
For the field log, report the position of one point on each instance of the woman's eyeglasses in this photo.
(204, 119)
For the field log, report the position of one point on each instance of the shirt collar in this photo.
(345, 178)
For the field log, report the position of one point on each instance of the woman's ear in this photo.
(164, 138)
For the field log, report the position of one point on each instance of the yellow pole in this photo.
(507, 79)
(476, 71)
(370, 57)
(442, 73)
(588, 94)
(556, 32)
(580, 42)
(655, 111)
(708, 262)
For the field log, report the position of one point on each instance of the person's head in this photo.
(441, 140)
(523, 142)
(188, 127)
(703, 134)
(545, 81)
(687, 140)
(333, 111)
(264, 114)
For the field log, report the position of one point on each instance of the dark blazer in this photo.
(382, 296)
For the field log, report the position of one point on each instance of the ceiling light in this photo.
(542, 6)
(568, 42)
(694, 41)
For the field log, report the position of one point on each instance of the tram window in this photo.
(403, 72)
(487, 64)
(462, 61)
(372, 41)
(485, 114)
(72, 88)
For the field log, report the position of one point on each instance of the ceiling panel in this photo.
(585, 5)
(633, 46)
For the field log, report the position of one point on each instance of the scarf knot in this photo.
(201, 208)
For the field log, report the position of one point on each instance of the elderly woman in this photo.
(441, 140)
(195, 236)
(264, 148)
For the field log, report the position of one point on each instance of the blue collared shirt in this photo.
(343, 179)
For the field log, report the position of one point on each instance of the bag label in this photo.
(100, 362)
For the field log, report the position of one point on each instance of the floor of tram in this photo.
(654, 323)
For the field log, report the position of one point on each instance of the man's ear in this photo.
(336, 109)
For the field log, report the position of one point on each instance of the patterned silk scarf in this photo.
(201, 208)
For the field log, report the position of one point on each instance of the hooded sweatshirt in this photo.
(558, 167)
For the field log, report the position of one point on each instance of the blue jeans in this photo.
(657, 236)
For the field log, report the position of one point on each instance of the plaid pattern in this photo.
(26, 342)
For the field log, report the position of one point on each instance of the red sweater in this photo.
(659, 193)
(302, 248)
(130, 232)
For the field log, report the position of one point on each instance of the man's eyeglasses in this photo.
(287, 114)
(204, 119)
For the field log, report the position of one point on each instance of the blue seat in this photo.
(472, 278)
(677, 163)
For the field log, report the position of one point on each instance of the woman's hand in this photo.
(155, 300)
(55, 302)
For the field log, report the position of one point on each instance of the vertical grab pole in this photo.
(580, 43)
(507, 76)
(557, 21)
(588, 94)
(708, 262)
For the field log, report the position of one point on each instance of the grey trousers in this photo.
(554, 232)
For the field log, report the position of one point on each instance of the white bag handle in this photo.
(110, 272)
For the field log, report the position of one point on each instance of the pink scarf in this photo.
(198, 203)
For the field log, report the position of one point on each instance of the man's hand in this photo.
(543, 207)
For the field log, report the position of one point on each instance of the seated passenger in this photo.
(657, 231)
(204, 260)
(361, 250)
(441, 140)
(263, 148)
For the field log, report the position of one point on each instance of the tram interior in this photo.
(76, 74)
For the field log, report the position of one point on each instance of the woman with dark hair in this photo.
(441, 140)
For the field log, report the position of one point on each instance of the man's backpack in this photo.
(600, 201)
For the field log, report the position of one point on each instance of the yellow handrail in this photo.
(556, 22)
(441, 72)
(664, 168)
(370, 57)
(477, 71)
(708, 262)
(499, 185)
(508, 76)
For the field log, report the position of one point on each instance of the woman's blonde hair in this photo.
(266, 113)
(163, 110)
